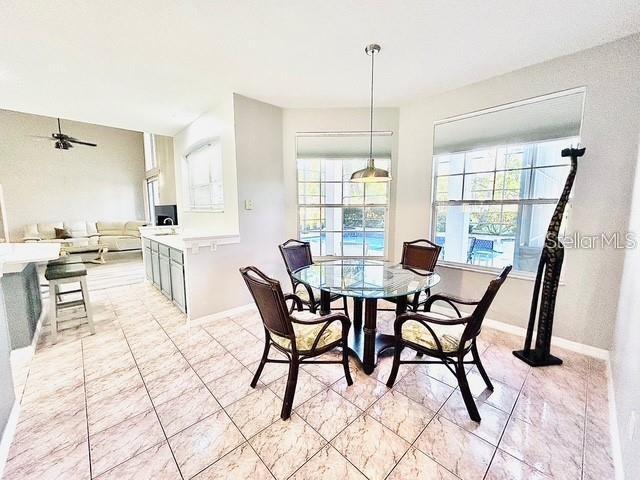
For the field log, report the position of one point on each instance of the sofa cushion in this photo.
(62, 233)
(47, 230)
(31, 231)
(120, 242)
(133, 228)
(92, 229)
(77, 229)
(110, 228)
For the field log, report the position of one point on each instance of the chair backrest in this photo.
(483, 245)
(296, 254)
(421, 254)
(474, 326)
(267, 294)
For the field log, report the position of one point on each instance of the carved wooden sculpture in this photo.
(549, 270)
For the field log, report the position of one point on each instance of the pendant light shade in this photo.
(371, 173)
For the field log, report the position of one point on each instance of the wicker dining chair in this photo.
(300, 335)
(448, 339)
(297, 254)
(421, 254)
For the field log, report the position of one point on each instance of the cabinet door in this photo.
(155, 267)
(165, 276)
(148, 268)
(177, 286)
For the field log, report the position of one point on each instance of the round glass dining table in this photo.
(366, 281)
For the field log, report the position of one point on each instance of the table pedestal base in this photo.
(364, 343)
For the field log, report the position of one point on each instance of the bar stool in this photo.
(59, 273)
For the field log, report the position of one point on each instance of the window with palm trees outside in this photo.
(338, 217)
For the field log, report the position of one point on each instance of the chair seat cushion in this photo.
(448, 335)
(307, 334)
(303, 293)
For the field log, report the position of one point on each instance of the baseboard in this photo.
(614, 431)
(224, 314)
(8, 434)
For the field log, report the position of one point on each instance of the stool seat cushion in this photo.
(65, 270)
(66, 259)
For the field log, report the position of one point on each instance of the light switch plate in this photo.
(248, 204)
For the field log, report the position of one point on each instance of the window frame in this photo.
(435, 203)
(386, 206)
(187, 193)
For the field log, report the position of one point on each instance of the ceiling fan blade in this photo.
(41, 137)
(80, 142)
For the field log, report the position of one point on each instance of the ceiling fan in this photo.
(64, 141)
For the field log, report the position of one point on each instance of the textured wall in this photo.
(42, 184)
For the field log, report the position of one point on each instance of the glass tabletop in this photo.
(366, 278)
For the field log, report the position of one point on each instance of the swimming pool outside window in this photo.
(338, 217)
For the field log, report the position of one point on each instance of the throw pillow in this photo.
(62, 233)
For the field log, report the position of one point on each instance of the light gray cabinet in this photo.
(155, 268)
(164, 267)
(148, 268)
(177, 286)
(165, 274)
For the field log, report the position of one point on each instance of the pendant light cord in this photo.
(370, 161)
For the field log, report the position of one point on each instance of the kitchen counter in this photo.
(183, 241)
(181, 264)
(14, 257)
(173, 240)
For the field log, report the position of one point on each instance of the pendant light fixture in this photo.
(371, 173)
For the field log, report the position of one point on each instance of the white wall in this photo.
(297, 120)
(258, 161)
(43, 184)
(625, 357)
(611, 73)
(217, 123)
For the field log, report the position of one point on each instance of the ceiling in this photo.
(156, 65)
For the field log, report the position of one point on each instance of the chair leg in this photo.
(466, 392)
(87, 304)
(53, 310)
(428, 292)
(263, 361)
(346, 306)
(483, 372)
(290, 391)
(396, 365)
(345, 360)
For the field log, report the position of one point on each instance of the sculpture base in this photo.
(536, 359)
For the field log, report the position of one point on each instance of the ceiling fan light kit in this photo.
(65, 142)
(370, 173)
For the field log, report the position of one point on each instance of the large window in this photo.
(203, 178)
(339, 217)
(153, 198)
(493, 199)
(151, 175)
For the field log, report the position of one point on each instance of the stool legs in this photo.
(54, 293)
(53, 310)
(87, 304)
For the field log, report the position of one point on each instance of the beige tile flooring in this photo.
(152, 397)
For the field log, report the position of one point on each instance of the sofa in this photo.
(88, 236)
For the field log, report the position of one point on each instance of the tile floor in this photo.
(152, 397)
